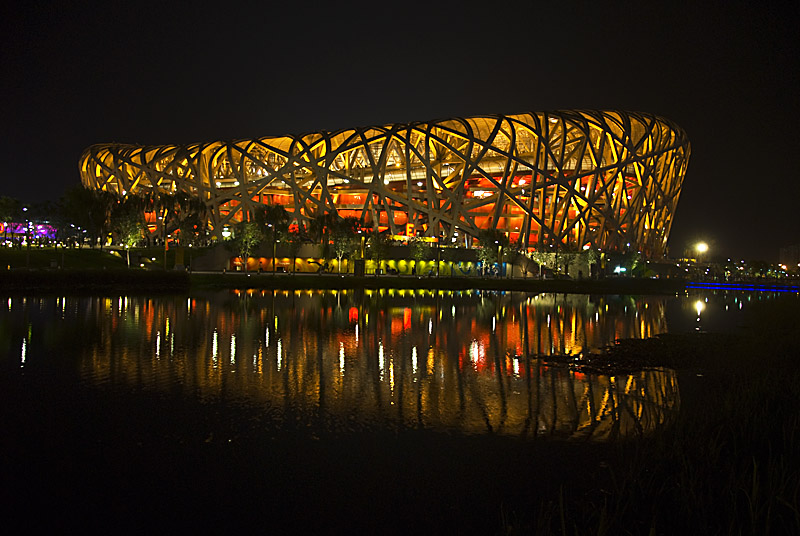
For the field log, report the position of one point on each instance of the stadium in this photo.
(607, 180)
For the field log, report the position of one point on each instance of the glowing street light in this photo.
(699, 306)
(701, 247)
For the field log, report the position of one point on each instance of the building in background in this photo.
(571, 179)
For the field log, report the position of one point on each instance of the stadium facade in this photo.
(573, 179)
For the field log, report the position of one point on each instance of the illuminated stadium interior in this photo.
(576, 179)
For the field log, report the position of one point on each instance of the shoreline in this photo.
(159, 281)
(144, 281)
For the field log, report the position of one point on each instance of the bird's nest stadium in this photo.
(608, 180)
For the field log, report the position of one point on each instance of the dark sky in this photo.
(158, 73)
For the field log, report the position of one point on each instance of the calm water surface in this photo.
(463, 362)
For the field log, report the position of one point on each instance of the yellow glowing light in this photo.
(109, 167)
(701, 247)
(699, 306)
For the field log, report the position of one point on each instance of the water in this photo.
(179, 397)
(458, 361)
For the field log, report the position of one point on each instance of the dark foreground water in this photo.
(326, 410)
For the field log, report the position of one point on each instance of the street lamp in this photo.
(701, 248)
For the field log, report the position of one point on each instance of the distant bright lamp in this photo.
(701, 247)
(699, 306)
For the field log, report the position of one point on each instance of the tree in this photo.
(450, 255)
(130, 233)
(178, 212)
(165, 205)
(10, 210)
(190, 219)
(344, 238)
(320, 230)
(273, 223)
(247, 236)
(420, 250)
(515, 254)
(273, 220)
(543, 259)
(90, 210)
(38, 213)
(592, 257)
(634, 260)
(55, 216)
(489, 243)
(378, 247)
(128, 222)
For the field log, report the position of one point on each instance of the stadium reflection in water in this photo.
(464, 362)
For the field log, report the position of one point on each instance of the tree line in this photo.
(84, 215)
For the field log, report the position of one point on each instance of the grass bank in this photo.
(64, 258)
(86, 258)
(59, 269)
(727, 465)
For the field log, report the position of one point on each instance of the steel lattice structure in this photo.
(578, 179)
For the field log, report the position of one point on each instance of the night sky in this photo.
(159, 73)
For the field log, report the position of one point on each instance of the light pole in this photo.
(27, 239)
(499, 257)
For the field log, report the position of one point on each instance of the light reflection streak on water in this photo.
(391, 374)
(381, 360)
(466, 358)
(214, 347)
(476, 357)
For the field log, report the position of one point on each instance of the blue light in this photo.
(748, 287)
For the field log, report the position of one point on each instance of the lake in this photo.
(132, 400)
